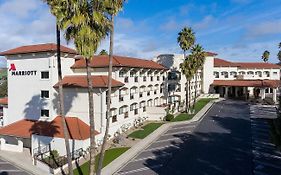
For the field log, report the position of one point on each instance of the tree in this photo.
(103, 52)
(198, 54)
(186, 39)
(86, 25)
(265, 56)
(187, 69)
(4, 89)
(112, 7)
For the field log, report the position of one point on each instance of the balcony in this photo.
(158, 78)
(114, 118)
(155, 92)
(144, 79)
(144, 109)
(148, 93)
(126, 114)
(136, 111)
(121, 99)
(151, 78)
(132, 96)
(136, 79)
(141, 95)
(126, 79)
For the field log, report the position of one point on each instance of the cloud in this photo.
(248, 51)
(264, 28)
(205, 23)
(125, 23)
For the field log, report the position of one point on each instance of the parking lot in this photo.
(7, 168)
(266, 158)
(159, 152)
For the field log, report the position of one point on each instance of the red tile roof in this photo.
(211, 54)
(223, 63)
(245, 65)
(118, 61)
(78, 130)
(4, 101)
(51, 47)
(248, 83)
(99, 81)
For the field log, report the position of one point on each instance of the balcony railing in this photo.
(136, 79)
(126, 114)
(126, 79)
(158, 78)
(151, 78)
(144, 79)
(135, 111)
(132, 96)
(121, 99)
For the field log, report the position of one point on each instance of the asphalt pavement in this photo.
(219, 144)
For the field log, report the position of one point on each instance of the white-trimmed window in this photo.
(123, 109)
(122, 73)
(45, 113)
(45, 75)
(45, 94)
(133, 106)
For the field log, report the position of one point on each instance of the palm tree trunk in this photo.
(186, 98)
(92, 119)
(195, 94)
(189, 95)
(61, 106)
(104, 143)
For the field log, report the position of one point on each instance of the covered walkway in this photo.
(245, 89)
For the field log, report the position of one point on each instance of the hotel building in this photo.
(142, 90)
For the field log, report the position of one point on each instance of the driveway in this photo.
(219, 144)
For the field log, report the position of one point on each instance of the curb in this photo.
(122, 160)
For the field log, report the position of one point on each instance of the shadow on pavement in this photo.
(219, 145)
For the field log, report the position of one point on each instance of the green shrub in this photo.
(169, 117)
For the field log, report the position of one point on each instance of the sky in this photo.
(237, 30)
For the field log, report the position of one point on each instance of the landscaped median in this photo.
(198, 106)
(145, 131)
(110, 155)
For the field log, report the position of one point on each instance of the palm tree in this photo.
(84, 23)
(61, 105)
(187, 69)
(112, 7)
(186, 39)
(103, 52)
(265, 56)
(279, 53)
(199, 59)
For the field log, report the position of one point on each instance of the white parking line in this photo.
(159, 148)
(151, 157)
(171, 139)
(267, 164)
(182, 127)
(141, 169)
(179, 132)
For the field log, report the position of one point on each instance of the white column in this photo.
(262, 93)
(236, 91)
(226, 92)
(274, 95)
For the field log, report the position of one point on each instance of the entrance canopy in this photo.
(247, 83)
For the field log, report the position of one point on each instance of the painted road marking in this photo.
(180, 132)
(171, 139)
(163, 147)
(141, 169)
(151, 157)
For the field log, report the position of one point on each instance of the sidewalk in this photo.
(142, 144)
(23, 161)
